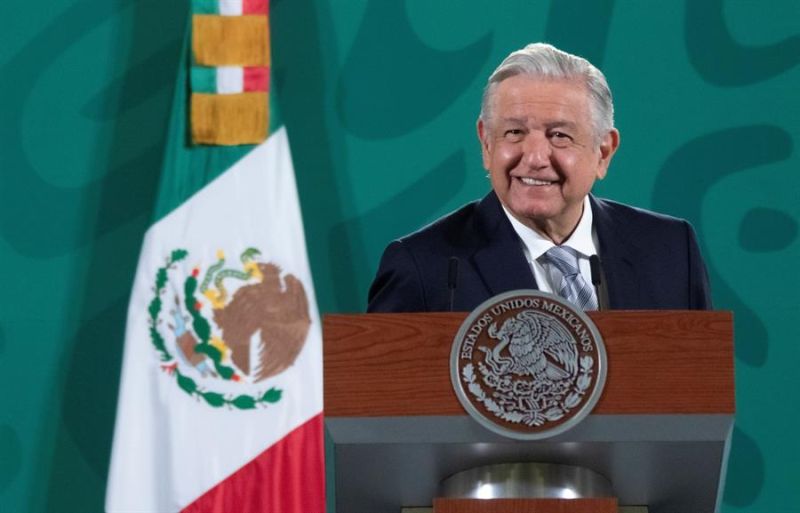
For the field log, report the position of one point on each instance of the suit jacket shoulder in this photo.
(414, 270)
(651, 260)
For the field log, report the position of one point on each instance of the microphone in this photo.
(597, 281)
(452, 275)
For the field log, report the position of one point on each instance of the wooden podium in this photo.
(660, 432)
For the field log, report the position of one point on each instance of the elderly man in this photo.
(547, 132)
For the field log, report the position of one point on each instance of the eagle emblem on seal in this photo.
(536, 346)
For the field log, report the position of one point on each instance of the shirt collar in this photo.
(537, 244)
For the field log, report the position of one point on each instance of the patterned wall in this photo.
(380, 100)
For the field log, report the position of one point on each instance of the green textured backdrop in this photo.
(380, 99)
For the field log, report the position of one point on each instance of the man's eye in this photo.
(560, 139)
(513, 133)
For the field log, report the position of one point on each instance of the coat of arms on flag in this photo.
(224, 329)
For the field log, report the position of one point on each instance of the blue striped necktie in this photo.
(572, 286)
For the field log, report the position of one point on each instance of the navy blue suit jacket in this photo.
(650, 261)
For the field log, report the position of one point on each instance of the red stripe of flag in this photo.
(256, 78)
(255, 6)
(289, 477)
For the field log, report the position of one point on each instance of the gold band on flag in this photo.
(230, 40)
(229, 119)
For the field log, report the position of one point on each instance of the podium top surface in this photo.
(660, 362)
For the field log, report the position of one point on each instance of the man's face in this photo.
(541, 152)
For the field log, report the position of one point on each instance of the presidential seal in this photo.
(528, 365)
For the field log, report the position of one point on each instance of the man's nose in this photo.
(536, 150)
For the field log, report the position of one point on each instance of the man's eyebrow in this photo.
(561, 124)
(518, 121)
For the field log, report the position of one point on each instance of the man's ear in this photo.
(483, 137)
(608, 147)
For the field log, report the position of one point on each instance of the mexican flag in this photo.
(220, 404)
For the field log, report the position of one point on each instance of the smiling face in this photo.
(542, 153)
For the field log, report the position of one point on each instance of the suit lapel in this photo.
(499, 259)
(618, 255)
(501, 263)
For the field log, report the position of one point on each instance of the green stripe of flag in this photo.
(204, 79)
(205, 6)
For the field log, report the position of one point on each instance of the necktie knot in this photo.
(565, 259)
(569, 282)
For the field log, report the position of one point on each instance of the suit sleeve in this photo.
(397, 286)
(699, 289)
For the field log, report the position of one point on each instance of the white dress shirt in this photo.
(534, 245)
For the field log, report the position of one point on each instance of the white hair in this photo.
(541, 60)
